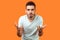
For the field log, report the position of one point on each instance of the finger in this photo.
(15, 24)
(44, 25)
(38, 27)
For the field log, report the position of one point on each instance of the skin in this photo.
(30, 12)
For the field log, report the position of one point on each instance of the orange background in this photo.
(10, 10)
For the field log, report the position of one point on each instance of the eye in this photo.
(32, 9)
(28, 9)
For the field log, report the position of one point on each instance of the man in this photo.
(30, 26)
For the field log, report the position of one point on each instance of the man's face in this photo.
(30, 11)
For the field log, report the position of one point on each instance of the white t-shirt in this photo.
(30, 28)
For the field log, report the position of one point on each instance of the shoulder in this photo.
(22, 17)
(39, 17)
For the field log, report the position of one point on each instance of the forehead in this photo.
(30, 7)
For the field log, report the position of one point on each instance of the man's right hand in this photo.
(19, 30)
(18, 33)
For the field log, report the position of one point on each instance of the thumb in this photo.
(15, 24)
(44, 26)
(38, 27)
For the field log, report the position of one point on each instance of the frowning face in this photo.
(30, 11)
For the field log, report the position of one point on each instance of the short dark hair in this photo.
(30, 3)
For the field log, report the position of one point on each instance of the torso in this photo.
(30, 28)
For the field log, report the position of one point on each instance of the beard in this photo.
(30, 15)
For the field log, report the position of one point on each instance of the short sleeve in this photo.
(20, 22)
(40, 22)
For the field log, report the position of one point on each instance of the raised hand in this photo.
(40, 30)
(18, 30)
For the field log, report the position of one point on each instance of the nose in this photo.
(30, 12)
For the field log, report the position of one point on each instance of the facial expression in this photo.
(30, 11)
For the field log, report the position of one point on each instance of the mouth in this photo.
(30, 13)
(31, 16)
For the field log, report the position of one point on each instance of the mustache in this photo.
(31, 13)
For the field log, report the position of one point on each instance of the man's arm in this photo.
(19, 30)
(40, 30)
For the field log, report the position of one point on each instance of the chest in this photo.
(30, 25)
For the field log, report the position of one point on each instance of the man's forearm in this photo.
(40, 32)
(19, 32)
